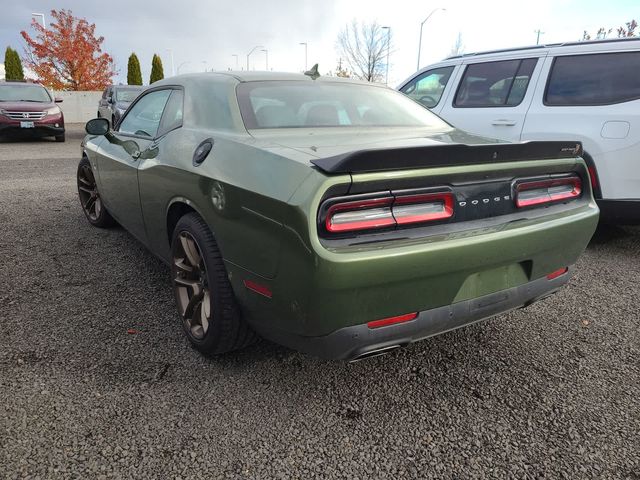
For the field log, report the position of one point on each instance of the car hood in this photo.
(25, 106)
(328, 142)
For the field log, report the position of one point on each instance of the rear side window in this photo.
(495, 84)
(172, 115)
(594, 79)
(427, 88)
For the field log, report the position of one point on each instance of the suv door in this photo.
(119, 155)
(429, 87)
(492, 97)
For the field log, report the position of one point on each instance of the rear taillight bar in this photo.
(551, 190)
(388, 211)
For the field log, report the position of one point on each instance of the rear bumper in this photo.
(359, 341)
(622, 212)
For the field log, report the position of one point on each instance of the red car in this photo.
(27, 109)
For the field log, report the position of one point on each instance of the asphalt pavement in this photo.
(97, 379)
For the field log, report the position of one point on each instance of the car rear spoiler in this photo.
(432, 156)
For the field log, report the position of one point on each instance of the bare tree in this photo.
(458, 47)
(364, 48)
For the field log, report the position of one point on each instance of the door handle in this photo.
(503, 123)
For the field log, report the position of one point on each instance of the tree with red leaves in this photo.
(68, 56)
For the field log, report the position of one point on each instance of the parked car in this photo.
(587, 91)
(28, 109)
(115, 101)
(335, 217)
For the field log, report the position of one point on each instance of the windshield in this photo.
(23, 93)
(127, 95)
(303, 104)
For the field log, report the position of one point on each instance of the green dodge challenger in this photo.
(335, 217)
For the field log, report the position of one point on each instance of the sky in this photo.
(206, 34)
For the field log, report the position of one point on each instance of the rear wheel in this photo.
(90, 199)
(209, 312)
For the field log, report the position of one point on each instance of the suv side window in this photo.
(594, 79)
(172, 116)
(143, 119)
(427, 88)
(495, 84)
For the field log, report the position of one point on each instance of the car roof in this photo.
(264, 76)
(583, 44)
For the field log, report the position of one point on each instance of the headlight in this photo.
(53, 111)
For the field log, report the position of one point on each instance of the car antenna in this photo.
(313, 73)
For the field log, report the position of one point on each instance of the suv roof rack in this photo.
(549, 45)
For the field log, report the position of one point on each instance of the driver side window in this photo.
(143, 119)
(427, 88)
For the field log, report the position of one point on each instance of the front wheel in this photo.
(90, 200)
(209, 312)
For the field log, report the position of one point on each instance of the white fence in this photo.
(79, 107)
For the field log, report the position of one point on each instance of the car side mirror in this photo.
(57, 100)
(97, 126)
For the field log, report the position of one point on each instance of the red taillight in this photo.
(388, 212)
(360, 215)
(426, 207)
(258, 288)
(547, 191)
(392, 320)
(557, 273)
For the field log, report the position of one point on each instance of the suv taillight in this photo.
(388, 211)
(538, 192)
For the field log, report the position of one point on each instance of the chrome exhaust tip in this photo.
(375, 352)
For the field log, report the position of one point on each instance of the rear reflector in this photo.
(547, 191)
(256, 287)
(392, 320)
(388, 212)
(557, 273)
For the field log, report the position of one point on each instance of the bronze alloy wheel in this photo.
(88, 191)
(191, 285)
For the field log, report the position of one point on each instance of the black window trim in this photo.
(595, 104)
(142, 95)
(522, 59)
(453, 69)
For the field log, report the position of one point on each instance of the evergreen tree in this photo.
(156, 69)
(134, 75)
(12, 65)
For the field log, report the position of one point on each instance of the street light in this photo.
(266, 53)
(388, 29)
(181, 65)
(305, 55)
(235, 55)
(44, 24)
(252, 50)
(173, 70)
(421, 25)
(205, 65)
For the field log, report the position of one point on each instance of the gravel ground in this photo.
(551, 391)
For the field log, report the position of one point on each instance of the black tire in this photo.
(90, 201)
(226, 329)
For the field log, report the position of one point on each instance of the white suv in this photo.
(587, 91)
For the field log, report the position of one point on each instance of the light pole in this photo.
(249, 54)
(181, 65)
(205, 65)
(235, 55)
(44, 24)
(173, 70)
(388, 29)
(421, 25)
(538, 33)
(266, 53)
(305, 54)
